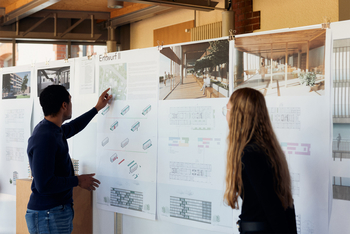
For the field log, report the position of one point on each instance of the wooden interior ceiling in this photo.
(76, 5)
(276, 44)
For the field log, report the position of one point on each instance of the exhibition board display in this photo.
(159, 147)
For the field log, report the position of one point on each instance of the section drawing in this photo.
(126, 199)
(190, 209)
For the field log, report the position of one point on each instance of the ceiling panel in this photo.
(5, 3)
(83, 5)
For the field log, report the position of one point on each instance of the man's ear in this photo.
(64, 105)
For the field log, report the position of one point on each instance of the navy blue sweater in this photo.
(260, 201)
(49, 160)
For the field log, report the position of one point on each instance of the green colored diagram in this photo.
(114, 76)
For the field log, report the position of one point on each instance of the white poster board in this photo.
(127, 133)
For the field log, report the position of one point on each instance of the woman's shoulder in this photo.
(252, 151)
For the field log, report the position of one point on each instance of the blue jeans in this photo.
(56, 220)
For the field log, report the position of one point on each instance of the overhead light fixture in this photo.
(115, 4)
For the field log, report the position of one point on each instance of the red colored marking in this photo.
(121, 161)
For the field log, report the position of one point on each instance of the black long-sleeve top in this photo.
(49, 160)
(260, 201)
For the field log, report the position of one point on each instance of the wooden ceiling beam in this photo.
(23, 8)
(74, 25)
(128, 8)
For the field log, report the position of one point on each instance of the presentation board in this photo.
(159, 147)
(127, 133)
(299, 113)
(16, 109)
(340, 138)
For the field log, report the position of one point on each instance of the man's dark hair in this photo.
(52, 97)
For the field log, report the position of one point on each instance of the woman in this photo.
(257, 169)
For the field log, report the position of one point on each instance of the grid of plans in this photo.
(190, 172)
(190, 209)
(126, 199)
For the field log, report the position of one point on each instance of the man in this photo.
(50, 207)
(206, 83)
(338, 140)
(165, 78)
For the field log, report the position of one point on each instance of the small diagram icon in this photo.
(114, 126)
(135, 126)
(105, 141)
(216, 218)
(124, 143)
(147, 144)
(105, 110)
(132, 166)
(114, 157)
(125, 110)
(146, 110)
(15, 177)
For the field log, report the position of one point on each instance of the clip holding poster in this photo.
(160, 46)
(232, 36)
(326, 22)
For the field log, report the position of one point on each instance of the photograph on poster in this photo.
(54, 75)
(341, 188)
(194, 71)
(282, 64)
(16, 85)
(114, 76)
(341, 107)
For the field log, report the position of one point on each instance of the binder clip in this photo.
(160, 46)
(232, 35)
(326, 23)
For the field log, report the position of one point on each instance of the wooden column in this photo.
(307, 56)
(286, 68)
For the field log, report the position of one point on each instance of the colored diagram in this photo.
(125, 110)
(132, 167)
(208, 142)
(135, 126)
(147, 144)
(114, 157)
(114, 126)
(296, 148)
(115, 76)
(146, 110)
(105, 110)
(179, 141)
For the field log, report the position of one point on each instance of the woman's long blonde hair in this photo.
(249, 119)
